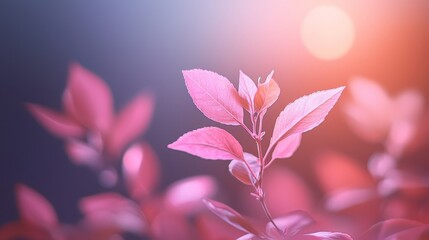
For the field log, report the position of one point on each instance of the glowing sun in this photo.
(327, 32)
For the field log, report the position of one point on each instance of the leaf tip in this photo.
(172, 146)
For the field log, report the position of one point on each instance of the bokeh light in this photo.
(327, 32)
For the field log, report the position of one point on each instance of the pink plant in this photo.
(94, 135)
(40, 221)
(388, 188)
(400, 229)
(108, 215)
(377, 117)
(97, 137)
(218, 100)
(166, 214)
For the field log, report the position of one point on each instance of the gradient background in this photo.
(144, 45)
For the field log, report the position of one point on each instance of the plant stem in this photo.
(258, 187)
(267, 212)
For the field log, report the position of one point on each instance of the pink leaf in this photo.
(131, 122)
(348, 198)
(186, 195)
(304, 113)
(381, 164)
(111, 210)
(230, 216)
(390, 229)
(169, 225)
(267, 94)
(24, 230)
(34, 208)
(329, 236)
(336, 172)
(409, 105)
(215, 96)
(287, 147)
(211, 227)
(291, 224)
(56, 123)
(408, 109)
(247, 90)
(83, 154)
(141, 170)
(92, 99)
(370, 110)
(285, 192)
(209, 143)
(248, 236)
(240, 170)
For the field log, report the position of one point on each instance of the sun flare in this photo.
(327, 32)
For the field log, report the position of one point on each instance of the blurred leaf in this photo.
(291, 224)
(91, 98)
(141, 170)
(24, 230)
(112, 211)
(348, 198)
(328, 236)
(34, 208)
(230, 216)
(337, 172)
(286, 192)
(56, 123)
(131, 122)
(370, 109)
(83, 154)
(187, 194)
(400, 229)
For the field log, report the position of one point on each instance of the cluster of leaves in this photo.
(393, 185)
(217, 99)
(94, 136)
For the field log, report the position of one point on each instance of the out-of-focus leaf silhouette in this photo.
(211, 227)
(187, 195)
(56, 123)
(401, 229)
(141, 170)
(130, 123)
(292, 227)
(112, 211)
(377, 117)
(231, 216)
(290, 224)
(93, 134)
(90, 100)
(24, 230)
(279, 184)
(34, 208)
